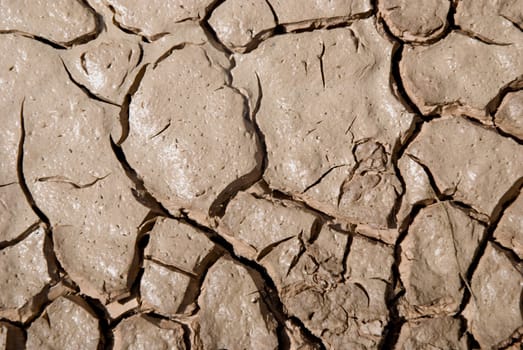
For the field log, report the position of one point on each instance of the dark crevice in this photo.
(50, 43)
(168, 53)
(397, 83)
(194, 289)
(106, 335)
(124, 111)
(497, 214)
(137, 269)
(219, 205)
(269, 291)
(397, 152)
(256, 126)
(187, 336)
(396, 290)
(140, 192)
(320, 58)
(320, 179)
(86, 90)
(20, 171)
(21, 237)
(209, 31)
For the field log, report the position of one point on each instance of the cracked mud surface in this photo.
(261, 174)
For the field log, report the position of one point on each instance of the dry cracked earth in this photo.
(261, 174)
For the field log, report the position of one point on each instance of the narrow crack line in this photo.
(194, 288)
(455, 247)
(86, 90)
(274, 14)
(320, 58)
(20, 170)
(40, 39)
(515, 24)
(62, 179)
(268, 249)
(141, 194)
(397, 152)
(169, 267)
(396, 320)
(219, 205)
(254, 117)
(124, 110)
(168, 53)
(322, 176)
(161, 131)
(210, 33)
(497, 214)
(479, 37)
(131, 31)
(441, 197)
(100, 312)
(26, 233)
(272, 298)
(345, 258)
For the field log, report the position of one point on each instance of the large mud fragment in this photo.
(494, 310)
(494, 21)
(61, 21)
(71, 171)
(106, 67)
(459, 75)
(323, 96)
(179, 245)
(509, 116)
(162, 289)
(67, 323)
(239, 23)
(233, 314)
(156, 18)
(432, 333)
(415, 20)
(435, 257)
(481, 173)
(192, 144)
(141, 332)
(509, 231)
(176, 256)
(255, 225)
(25, 275)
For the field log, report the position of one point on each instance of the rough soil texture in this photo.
(261, 174)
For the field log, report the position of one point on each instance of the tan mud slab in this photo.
(261, 174)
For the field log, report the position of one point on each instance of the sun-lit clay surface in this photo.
(436, 255)
(440, 78)
(261, 174)
(25, 274)
(67, 323)
(415, 20)
(440, 332)
(64, 22)
(158, 17)
(497, 277)
(142, 332)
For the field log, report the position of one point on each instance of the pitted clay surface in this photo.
(261, 174)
